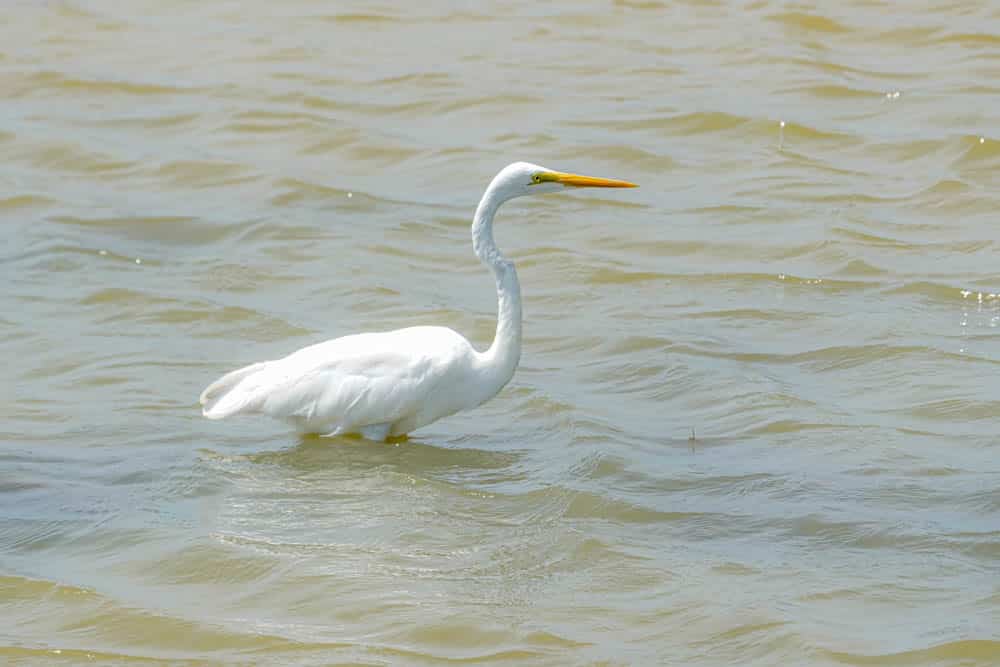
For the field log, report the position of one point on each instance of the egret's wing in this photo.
(377, 387)
(352, 381)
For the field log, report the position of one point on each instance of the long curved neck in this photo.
(502, 357)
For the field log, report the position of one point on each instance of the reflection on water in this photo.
(756, 417)
(353, 454)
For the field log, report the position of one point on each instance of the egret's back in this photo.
(402, 379)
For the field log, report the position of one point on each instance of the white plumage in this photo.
(388, 384)
(377, 384)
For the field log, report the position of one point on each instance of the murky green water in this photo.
(806, 280)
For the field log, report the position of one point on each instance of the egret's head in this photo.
(523, 178)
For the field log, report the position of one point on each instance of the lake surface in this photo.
(757, 418)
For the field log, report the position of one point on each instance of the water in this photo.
(756, 420)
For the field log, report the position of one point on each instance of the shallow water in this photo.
(756, 420)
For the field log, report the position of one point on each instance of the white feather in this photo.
(405, 378)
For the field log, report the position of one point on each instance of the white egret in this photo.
(387, 384)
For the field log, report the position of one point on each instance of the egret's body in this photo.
(388, 384)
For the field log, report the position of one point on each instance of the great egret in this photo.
(387, 384)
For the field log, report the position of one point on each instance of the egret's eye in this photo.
(537, 178)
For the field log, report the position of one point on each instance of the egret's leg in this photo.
(376, 432)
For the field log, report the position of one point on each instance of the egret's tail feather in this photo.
(225, 396)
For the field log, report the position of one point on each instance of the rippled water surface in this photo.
(757, 417)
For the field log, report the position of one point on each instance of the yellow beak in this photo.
(578, 181)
